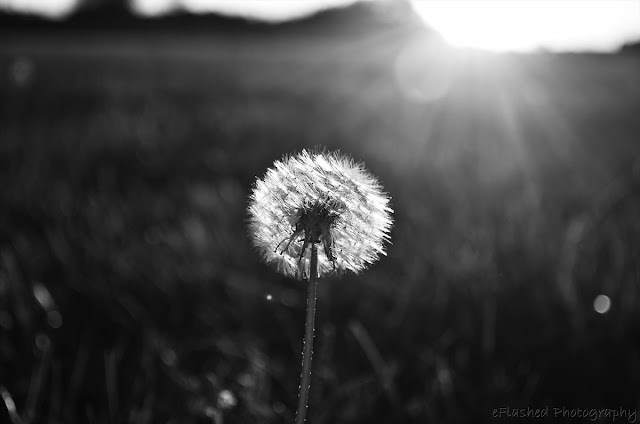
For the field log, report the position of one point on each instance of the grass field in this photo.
(129, 291)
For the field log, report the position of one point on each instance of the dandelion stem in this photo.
(307, 352)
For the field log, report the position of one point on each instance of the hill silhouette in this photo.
(110, 16)
(632, 47)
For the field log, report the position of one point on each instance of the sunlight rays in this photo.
(497, 122)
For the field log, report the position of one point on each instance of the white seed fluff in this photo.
(333, 192)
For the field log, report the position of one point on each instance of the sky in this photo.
(523, 25)
(497, 25)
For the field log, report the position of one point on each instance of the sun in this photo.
(525, 25)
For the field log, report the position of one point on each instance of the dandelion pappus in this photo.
(323, 200)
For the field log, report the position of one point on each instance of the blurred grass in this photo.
(129, 292)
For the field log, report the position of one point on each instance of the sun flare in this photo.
(526, 25)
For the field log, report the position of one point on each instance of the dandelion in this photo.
(319, 197)
(315, 214)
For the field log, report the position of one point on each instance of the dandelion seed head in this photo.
(322, 198)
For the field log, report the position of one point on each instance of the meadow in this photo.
(129, 291)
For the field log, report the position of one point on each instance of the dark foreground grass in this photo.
(129, 292)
